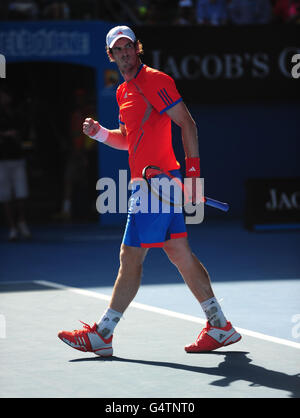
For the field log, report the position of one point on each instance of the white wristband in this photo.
(101, 135)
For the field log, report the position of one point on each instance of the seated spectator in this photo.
(211, 12)
(23, 10)
(287, 11)
(249, 12)
(160, 12)
(55, 10)
(185, 13)
(185, 3)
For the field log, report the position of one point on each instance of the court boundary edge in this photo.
(165, 312)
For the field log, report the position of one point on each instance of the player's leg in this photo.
(125, 288)
(98, 338)
(129, 277)
(193, 272)
(218, 332)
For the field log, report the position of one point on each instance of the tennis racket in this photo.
(171, 190)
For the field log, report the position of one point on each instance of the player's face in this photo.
(125, 55)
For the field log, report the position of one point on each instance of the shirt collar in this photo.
(139, 69)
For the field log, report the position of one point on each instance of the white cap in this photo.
(119, 32)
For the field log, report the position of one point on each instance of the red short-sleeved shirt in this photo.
(142, 102)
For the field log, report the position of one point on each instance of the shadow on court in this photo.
(235, 367)
(40, 366)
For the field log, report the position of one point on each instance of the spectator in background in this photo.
(142, 10)
(23, 10)
(55, 9)
(160, 12)
(249, 12)
(185, 13)
(211, 12)
(287, 11)
(13, 177)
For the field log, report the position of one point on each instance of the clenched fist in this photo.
(90, 127)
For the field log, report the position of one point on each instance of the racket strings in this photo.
(165, 186)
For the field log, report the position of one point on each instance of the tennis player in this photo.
(148, 101)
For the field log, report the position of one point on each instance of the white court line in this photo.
(166, 312)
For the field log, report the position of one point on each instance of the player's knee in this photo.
(178, 258)
(131, 256)
(178, 253)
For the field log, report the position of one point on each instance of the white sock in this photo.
(214, 313)
(107, 322)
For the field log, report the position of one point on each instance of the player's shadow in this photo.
(235, 367)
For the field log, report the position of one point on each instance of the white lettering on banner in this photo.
(187, 62)
(171, 68)
(284, 61)
(260, 67)
(283, 201)
(233, 66)
(212, 66)
(42, 43)
(228, 66)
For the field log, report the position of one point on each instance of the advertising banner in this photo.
(227, 64)
(273, 203)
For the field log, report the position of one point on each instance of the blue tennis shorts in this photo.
(147, 228)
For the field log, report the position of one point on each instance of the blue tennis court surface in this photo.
(255, 275)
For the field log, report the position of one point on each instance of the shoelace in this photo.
(86, 328)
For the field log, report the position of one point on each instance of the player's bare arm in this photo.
(182, 117)
(115, 138)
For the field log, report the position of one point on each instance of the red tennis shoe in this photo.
(212, 338)
(88, 339)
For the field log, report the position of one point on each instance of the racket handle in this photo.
(216, 204)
